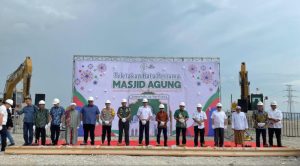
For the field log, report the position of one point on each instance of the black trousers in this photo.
(55, 130)
(219, 137)
(3, 134)
(89, 129)
(277, 132)
(263, 133)
(141, 132)
(196, 135)
(28, 133)
(183, 132)
(106, 130)
(124, 127)
(164, 130)
(40, 132)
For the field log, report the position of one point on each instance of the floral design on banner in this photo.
(77, 81)
(203, 67)
(87, 76)
(206, 77)
(95, 82)
(215, 83)
(102, 74)
(102, 67)
(198, 83)
(90, 66)
(192, 68)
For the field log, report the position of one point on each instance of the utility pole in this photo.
(290, 96)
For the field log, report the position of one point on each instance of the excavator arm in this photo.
(24, 73)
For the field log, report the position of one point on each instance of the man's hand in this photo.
(199, 122)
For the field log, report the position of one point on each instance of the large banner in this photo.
(160, 80)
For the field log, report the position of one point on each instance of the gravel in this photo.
(134, 160)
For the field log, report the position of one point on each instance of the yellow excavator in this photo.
(244, 101)
(24, 73)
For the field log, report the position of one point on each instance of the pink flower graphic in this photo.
(87, 76)
(77, 81)
(206, 77)
(192, 68)
(102, 67)
(90, 66)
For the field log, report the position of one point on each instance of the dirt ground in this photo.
(153, 160)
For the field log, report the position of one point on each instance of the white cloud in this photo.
(56, 13)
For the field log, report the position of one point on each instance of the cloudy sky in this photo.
(264, 34)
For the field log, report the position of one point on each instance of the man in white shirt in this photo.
(219, 122)
(275, 125)
(144, 114)
(199, 118)
(239, 125)
(3, 120)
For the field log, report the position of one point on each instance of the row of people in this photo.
(39, 119)
(270, 121)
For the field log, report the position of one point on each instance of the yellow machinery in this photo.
(244, 102)
(24, 73)
(244, 82)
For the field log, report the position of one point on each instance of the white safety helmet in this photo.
(274, 103)
(145, 100)
(238, 107)
(199, 106)
(73, 104)
(124, 101)
(260, 103)
(56, 101)
(161, 106)
(107, 102)
(219, 105)
(9, 101)
(182, 104)
(90, 98)
(42, 102)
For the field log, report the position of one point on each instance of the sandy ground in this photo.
(153, 160)
(133, 160)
